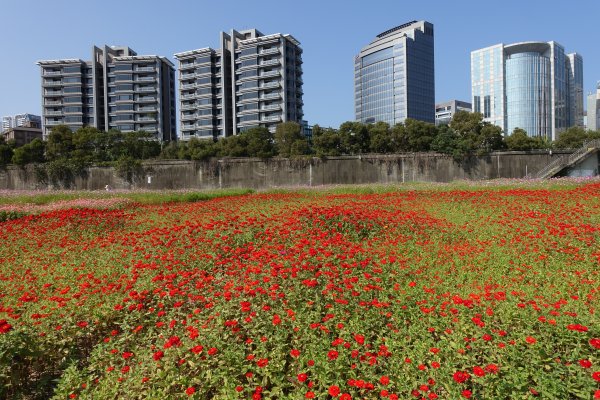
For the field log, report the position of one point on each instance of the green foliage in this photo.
(32, 152)
(326, 142)
(574, 137)
(290, 141)
(519, 140)
(259, 142)
(129, 169)
(354, 138)
(6, 152)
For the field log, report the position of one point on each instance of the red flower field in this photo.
(428, 294)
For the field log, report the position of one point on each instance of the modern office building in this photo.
(593, 109)
(21, 120)
(252, 80)
(534, 86)
(394, 76)
(117, 89)
(445, 111)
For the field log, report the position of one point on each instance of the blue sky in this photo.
(331, 33)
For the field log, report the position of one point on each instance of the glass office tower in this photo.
(394, 76)
(534, 86)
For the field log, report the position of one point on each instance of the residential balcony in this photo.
(271, 119)
(146, 79)
(269, 51)
(55, 93)
(190, 75)
(190, 117)
(188, 107)
(147, 109)
(144, 69)
(53, 113)
(53, 83)
(270, 96)
(145, 100)
(53, 123)
(53, 103)
(270, 108)
(145, 89)
(270, 85)
(267, 63)
(186, 66)
(269, 74)
(188, 96)
(52, 73)
(145, 119)
(188, 86)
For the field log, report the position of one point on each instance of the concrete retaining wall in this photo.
(257, 173)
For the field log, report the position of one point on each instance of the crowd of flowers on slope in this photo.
(414, 294)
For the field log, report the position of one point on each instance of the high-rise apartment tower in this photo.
(252, 80)
(117, 89)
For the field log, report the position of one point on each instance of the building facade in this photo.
(394, 76)
(22, 135)
(117, 89)
(21, 120)
(252, 80)
(534, 86)
(445, 111)
(593, 109)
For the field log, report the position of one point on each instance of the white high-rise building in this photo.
(593, 110)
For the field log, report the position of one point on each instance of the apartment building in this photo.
(252, 80)
(117, 89)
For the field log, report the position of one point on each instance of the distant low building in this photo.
(445, 111)
(27, 120)
(22, 135)
(593, 110)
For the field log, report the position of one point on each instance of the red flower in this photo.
(593, 342)
(4, 326)
(302, 377)
(276, 320)
(190, 391)
(461, 376)
(467, 394)
(491, 368)
(82, 324)
(197, 349)
(478, 371)
(212, 351)
(309, 395)
(585, 363)
(596, 376)
(332, 355)
(334, 391)
(158, 355)
(295, 353)
(384, 380)
(262, 362)
(530, 339)
(345, 396)
(125, 369)
(127, 355)
(577, 327)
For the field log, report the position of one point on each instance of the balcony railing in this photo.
(269, 74)
(188, 86)
(146, 79)
(267, 63)
(146, 109)
(270, 96)
(145, 89)
(145, 69)
(52, 73)
(271, 119)
(53, 123)
(269, 108)
(53, 113)
(269, 51)
(270, 85)
(145, 119)
(146, 99)
(188, 96)
(53, 103)
(53, 83)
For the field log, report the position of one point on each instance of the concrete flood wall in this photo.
(258, 174)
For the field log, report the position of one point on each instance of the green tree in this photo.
(519, 140)
(574, 137)
(419, 135)
(6, 152)
(354, 138)
(198, 149)
(60, 143)
(32, 152)
(380, 138)
(259, 142)
(289, 140)
(326, 142)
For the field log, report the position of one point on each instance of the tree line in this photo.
(66, 153)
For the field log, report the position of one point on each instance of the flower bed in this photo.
(402, 294)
